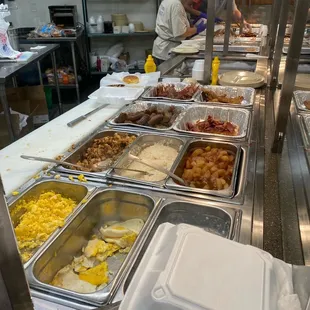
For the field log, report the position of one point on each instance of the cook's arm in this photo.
(239, 18)
(189, 9)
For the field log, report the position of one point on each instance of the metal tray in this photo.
(75, 156)
(240, 117)
(149, 93)
(238, 48)
(76, 192)
(179, 167)
(142, 142)
(305, 50)
(106, 205)
(247, 93)
(221, 221)
(144, 105)
(299, 98)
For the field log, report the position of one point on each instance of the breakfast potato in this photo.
(209, 168)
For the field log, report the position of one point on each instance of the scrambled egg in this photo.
(40, 218)
(96, 275)
(15, 193)
(81, 178)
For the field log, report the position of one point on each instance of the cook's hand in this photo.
(203, 15)
(247, 27)
(218, 20)
(201, 27)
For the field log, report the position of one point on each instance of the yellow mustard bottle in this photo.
(215, 70)
(149, 65)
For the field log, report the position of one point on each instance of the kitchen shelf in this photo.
(135, 34)
(61, 85)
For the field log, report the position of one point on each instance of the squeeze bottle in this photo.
(149, 65)
(215, 70)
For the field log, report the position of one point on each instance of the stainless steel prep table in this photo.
(11, 69)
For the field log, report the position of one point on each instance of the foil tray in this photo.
(299, 98)
(248, 94)
(239, 117)
(149, 93)
(144, 105)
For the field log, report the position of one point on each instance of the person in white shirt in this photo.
(172, 26)
(198, 8)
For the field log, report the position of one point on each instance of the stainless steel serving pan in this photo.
(239, 117)
(141, 143)
(224, 222)
(75, 156)
(106, 205)
(149, 93)
(247, 93)
(144, 105)
(76, 192)
(179, 168)
(299, 98)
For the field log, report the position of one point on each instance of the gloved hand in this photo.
(201, 27)
(203, 15)
(218, 20)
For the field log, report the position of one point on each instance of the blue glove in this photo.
(218, 20)
(203, 15)
(201, 27)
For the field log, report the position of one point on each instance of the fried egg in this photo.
(119, 230)
(97, 275)
(83, 263)
(67, 279)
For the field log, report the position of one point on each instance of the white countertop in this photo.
(50, 140)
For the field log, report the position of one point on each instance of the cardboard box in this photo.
(28, 100)
(37, 102)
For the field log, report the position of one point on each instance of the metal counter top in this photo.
(9, 69)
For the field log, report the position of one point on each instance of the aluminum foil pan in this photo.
(247, 93)
(149, 93)
(299, 98)
(239, 117)
(144, 105)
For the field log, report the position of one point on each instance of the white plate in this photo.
(241, 78)
(185, 50)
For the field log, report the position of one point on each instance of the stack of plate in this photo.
(241, 78)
